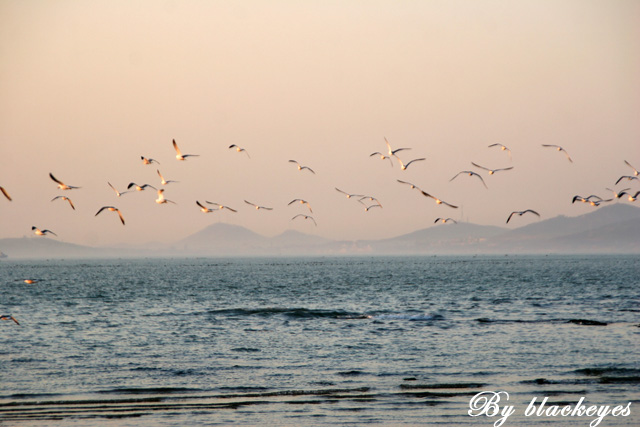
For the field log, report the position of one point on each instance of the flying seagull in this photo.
(557, 147)
(181, 156)
(160, 200)
(257, 206)
(632, 198)
(239, 149)
(148, 160)
(629, 177)
(382, 157)
(349, 195)
(520, 213)
(305, 217)
(618, 194)
(302, 202)
(405, 166)
(220, 206)
(491, 171)
(117, 192)
(204, 208)
(162, 180)
(635, 171)
(8, 317)
(62, 185)
(42, 232)
(391, 151)
(140, 187)
(302, 167)
(366, 208)
(371, 199)
(445, 220)
(503, 148)
(5, 193)
(470, 173)
(65, 198)
(112, 209)
(424, 193)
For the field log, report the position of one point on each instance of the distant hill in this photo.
(614, 228)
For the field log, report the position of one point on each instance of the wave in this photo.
(306, 313)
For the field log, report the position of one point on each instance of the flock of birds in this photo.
(367, 201)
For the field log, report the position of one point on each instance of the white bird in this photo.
(148, 160)
(300, 167)
(635, 171)
(520, 213)
(204, 208)
(8, 317)
(39, 232)
(391, 151)
(405, 166)
(162, 180)
(257, 206)
(632, 198)
(305, 217)
(112, 209)
(371, 199)
(117, 192)
(62, 185)
(382, 157)
(503, 148)
(65, 198)
(160, 200)
(239, 149)
(424, 193)
(302, 202)
(470, 173)
(628, 177)
(181, 156)
(409, 184)
(140, 187)
(492, 171)
(445, 220)
(618, 194)
(220, 206)
(366, 208)
(6, 194)
(558, 148)
(349, 195)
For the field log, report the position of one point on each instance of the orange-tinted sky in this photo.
(87, 87)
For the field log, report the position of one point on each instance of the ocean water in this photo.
(321, 341)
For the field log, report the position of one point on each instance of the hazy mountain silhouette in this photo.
(614, 228)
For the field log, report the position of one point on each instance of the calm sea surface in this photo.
(319, 341)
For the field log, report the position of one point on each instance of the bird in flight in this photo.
(6, 194)
(62, 185)
(628, 177)
(503, 148)
(635, 171)
(391, 151)
(204, 208)
(586, 199)
(239, 149)
(39, 232)
(424, 193)
(470, 173)
(445, 220)
(491, 171)
(632, 198)
(139, 187)
(410, 184)
(349, 195)
(366, 208)
(8, 317)
(305, 217)
(371, 199)
(220, 206)
(65, 198)
(302, 202)
(179, 154)
(117, 192)
(559, 148)
(148, 160)
(162, 180)
(160, 200)
(112, 209)
(618, 194)
(404, 166)
(382, 157)
(258, 207)
(520, 213)
(300, 167)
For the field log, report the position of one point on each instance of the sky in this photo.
(88, 87)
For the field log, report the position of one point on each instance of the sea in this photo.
(322, 341)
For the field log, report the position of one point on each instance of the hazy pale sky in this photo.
(87, 87)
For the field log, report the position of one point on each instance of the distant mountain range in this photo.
(609, 229)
